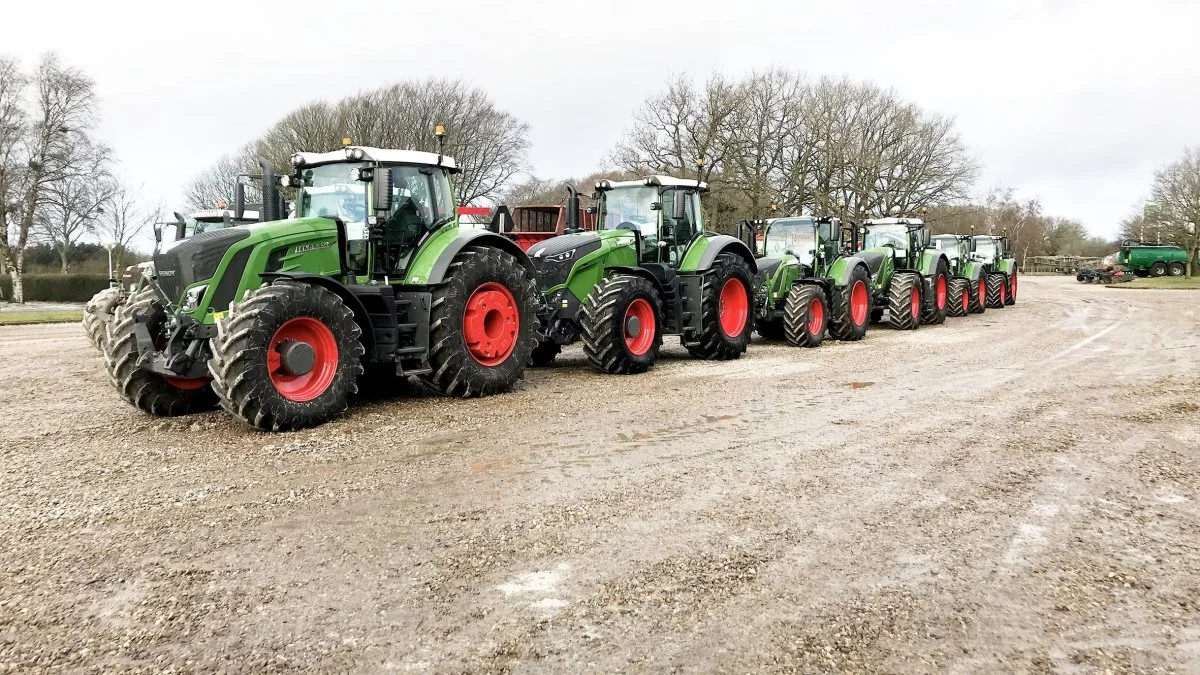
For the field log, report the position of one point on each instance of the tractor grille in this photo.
(194, 259)
(554, 258)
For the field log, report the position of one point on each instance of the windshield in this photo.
(886, 235)
(986, 248)
(947, 244)
(631, 205)
(420, 198)
(796, 235)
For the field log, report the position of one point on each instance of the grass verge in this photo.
(25, 317)
(1168, 283)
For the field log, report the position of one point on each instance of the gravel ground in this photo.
(1011, 492)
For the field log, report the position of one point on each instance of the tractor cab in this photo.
(663, 213)
(386, 202)
(906, 237)
(955, 246)
(985, 249)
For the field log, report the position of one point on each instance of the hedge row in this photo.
(57, 287)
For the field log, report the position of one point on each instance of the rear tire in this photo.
(996, 283)
(934, 309)
(613, 324)
(805, 316)
(544, 354)
(250, 374)
(484, 354)
(959, 302)
(1010, 296)
(978, 291)
(99, 313)
(904, 301)
(1158, 269)
(1177, 269)
(726, 304)
(851, 313)
(770, 329)
(149, 391)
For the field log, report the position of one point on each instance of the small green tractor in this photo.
(805, 285)
(1000, 266)
(909, 278)
(647, 271)
(98, 312)
(277, 321)
(967, 287)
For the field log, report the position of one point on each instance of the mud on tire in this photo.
(149, 391)
(461, 366)
(958, 299)
(249, 374)
(805, 315)
(842, 318)
(716, 341)
(904, 308)
(97, 314)
(608, 342)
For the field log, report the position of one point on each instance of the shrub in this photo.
(57, 287)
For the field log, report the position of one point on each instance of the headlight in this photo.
(561, 257)
(192, 300)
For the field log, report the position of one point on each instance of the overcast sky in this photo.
(1074, 101)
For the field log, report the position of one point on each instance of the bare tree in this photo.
(123, 221)
(1175, 203)
(37, 148)
(217, 182)
(74, 202)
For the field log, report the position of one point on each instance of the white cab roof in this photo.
(894, 221)
(665, 181)
(381, 155)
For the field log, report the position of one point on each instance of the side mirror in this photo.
(383, 190)
(679, 205)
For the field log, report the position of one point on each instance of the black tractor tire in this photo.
(98, 313)
(611, 341)
(1176, 269)
(1010, 290)
(996, 284)
(149, 391)
(978, 291)
(544, 353)
(805, 316)
(769, 329)
(904, 313)
(1080, 278)
(261, 393)
(1158, 269)
(716, 343)
(456, 370)
(958, 301)
(842, 325)
(931, 313)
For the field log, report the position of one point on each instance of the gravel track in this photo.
(1009, 492)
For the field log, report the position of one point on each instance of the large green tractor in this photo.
(995, 255)
(804, 283)
(647, 271)
(909, 278)
(967, 287)
(277, 321)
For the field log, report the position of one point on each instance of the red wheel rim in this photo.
(858, 303)
(982, 291)
(816, 317)
(490, 324)
(1003, 291)
(641, 310)
(916, 302)
(734, 308)
(966, 298)
(941, 292)
(187, 384)
(1013, 292)
(307, 386)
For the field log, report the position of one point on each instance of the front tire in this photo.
(805, 316)
(904, 301)
(621, 325)
(149, 391)
(98, 313)
(286, 357)
(934, 311)
(1158, 269)
(978, 290)
(1010, 296)
(725, 310)
(960, 298)
(481, 324)
(1177, 269)
(852, 310)
(996, 283)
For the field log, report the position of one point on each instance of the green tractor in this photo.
(909, 278)
(277, 321)
(804, 283)
(1000, 266)
(967, 287)
(647, 271)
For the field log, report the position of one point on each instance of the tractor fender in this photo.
(724, 243)
(842, 268)
(1007, 265)
(339, 289)
(972, 270)
(483, 238)
(929, 262)
(637, 272)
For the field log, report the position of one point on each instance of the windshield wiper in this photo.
(441, 222)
